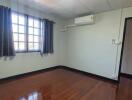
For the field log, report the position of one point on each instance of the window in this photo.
(33, 33)
(19, 31)
(26, 32)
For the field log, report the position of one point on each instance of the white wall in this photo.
(90, 47)
(27, 62)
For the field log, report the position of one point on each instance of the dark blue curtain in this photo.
(47, 42)
(6, 37)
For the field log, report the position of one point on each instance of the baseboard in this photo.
(126, 75)
(7, 79)
(89, 74)
(4, 80)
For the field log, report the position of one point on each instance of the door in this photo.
(126, 63)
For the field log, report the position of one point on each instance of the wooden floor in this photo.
(62, 84)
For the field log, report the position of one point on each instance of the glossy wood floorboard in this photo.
(62, 84)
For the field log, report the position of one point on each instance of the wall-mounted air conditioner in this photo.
(84, 20)
(80, 21)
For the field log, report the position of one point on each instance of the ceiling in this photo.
(74, 8)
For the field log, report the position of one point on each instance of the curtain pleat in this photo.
(6, 35)
(47, 36)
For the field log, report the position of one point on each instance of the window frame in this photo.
(26, 41)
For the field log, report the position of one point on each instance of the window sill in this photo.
(26, 51)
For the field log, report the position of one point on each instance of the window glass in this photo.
(36, 31)
(30, 46)
(30, 30)
(18, 22)
(15, 28)
(26, 32)
(21, 37)
(36, 46)
(36, 39)
(21, 46)
(36, 23)
(21, 29)
(33, 34)
(21, 20)
(14, 18)
(30, 21)
(30, 38)
(15, 37)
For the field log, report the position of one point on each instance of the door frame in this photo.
(122, 48)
